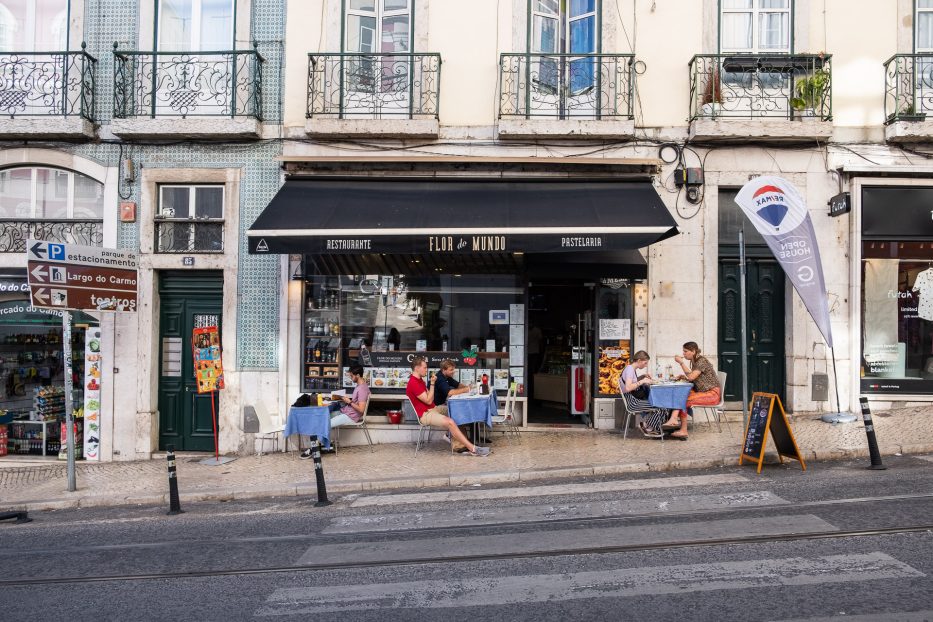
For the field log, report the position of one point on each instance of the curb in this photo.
(453, 480)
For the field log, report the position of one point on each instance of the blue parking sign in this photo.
(57, 252)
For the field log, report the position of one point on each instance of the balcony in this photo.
(189, 235)
(48, 95)
(766, 98)
(207, 95)
(14, 233)
(384, 95)
(908, 97)
(566, 95)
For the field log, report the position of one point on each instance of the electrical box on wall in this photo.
(819, 387)
(688, 176)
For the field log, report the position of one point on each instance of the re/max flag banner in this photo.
(780, 215)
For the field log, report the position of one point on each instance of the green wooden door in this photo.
(765, 312)
(188, 299)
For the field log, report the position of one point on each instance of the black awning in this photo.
(448, 217)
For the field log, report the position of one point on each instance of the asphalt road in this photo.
(836, 542)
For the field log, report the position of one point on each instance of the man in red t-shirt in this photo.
(421, 397)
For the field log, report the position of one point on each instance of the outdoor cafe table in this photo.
(475, 409)
(671, 395)
(310, 421)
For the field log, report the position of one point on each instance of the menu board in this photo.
(208, 367)
(613, 330)
(92, 374)
(763, 418)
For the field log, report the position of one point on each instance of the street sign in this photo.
(89, 278)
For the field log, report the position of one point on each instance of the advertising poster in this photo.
(208, 367)
(92, 367)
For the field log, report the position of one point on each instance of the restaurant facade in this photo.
(533, 278)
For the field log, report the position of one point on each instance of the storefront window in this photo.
(897, 290)
(32, 384)
(382, 321)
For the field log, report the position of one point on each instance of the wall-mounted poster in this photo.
(612, 330)
(92, 379)
(208, 367)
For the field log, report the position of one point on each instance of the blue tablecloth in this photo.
(670, 395)
(311, 421)
(465, 409)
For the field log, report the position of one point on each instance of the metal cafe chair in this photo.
(359, 424)
(716, 408)
(424, 431)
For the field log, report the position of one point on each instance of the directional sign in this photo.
(89, 278)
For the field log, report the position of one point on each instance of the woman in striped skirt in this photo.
(631, 385)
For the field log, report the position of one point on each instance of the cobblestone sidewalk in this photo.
(539, 455)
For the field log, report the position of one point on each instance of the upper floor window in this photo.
(190, 219)
(33, 25)
(378, 26)
(563, 27)
(195, 25)
(40, 193)
(924, 28)
(755, 26)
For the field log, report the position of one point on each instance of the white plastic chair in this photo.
(424, 430)
(359, 424)
(506, 416)
(716, 408)
(628, 415)
(269, 426)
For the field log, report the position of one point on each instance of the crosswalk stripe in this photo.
(549, 511)
(492, 543)
(540, 491)
(611, 583)
(894, 616)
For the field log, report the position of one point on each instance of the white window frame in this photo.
(919, 10)
(197, 12)
(69, 195)
(29, 25)
(564, 22)
(190, 219)
(379, 14)
(755, 12)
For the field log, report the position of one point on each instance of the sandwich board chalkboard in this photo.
(763, 419)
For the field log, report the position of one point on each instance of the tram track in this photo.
(351, 565)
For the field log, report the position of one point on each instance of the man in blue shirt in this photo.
(446, 385)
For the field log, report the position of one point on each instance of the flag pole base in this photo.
(217, 461)
(839, 418)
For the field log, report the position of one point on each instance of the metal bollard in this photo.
(21, 517)
(872, 441)
(319, 473)
(174, 503)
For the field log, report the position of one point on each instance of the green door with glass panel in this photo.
(765, 331)
(188, 300)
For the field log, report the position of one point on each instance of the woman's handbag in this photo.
(640, 392)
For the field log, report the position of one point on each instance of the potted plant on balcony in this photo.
(810, 91)
(712, 95)
(910, 113)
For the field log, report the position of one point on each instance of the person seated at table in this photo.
(446, 386)
(349, 408)
(706, 390)
(421, 396)
(635, 393)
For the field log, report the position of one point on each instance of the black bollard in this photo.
(319, 473)
(872, 441)
(174, 503)
(21, 517)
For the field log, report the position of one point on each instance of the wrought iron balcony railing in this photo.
(908, 87)
(187, 84)
(374, 86)
(14, 233)
(567, 86)
(47, 84)
(761, 86)
(189, 235)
